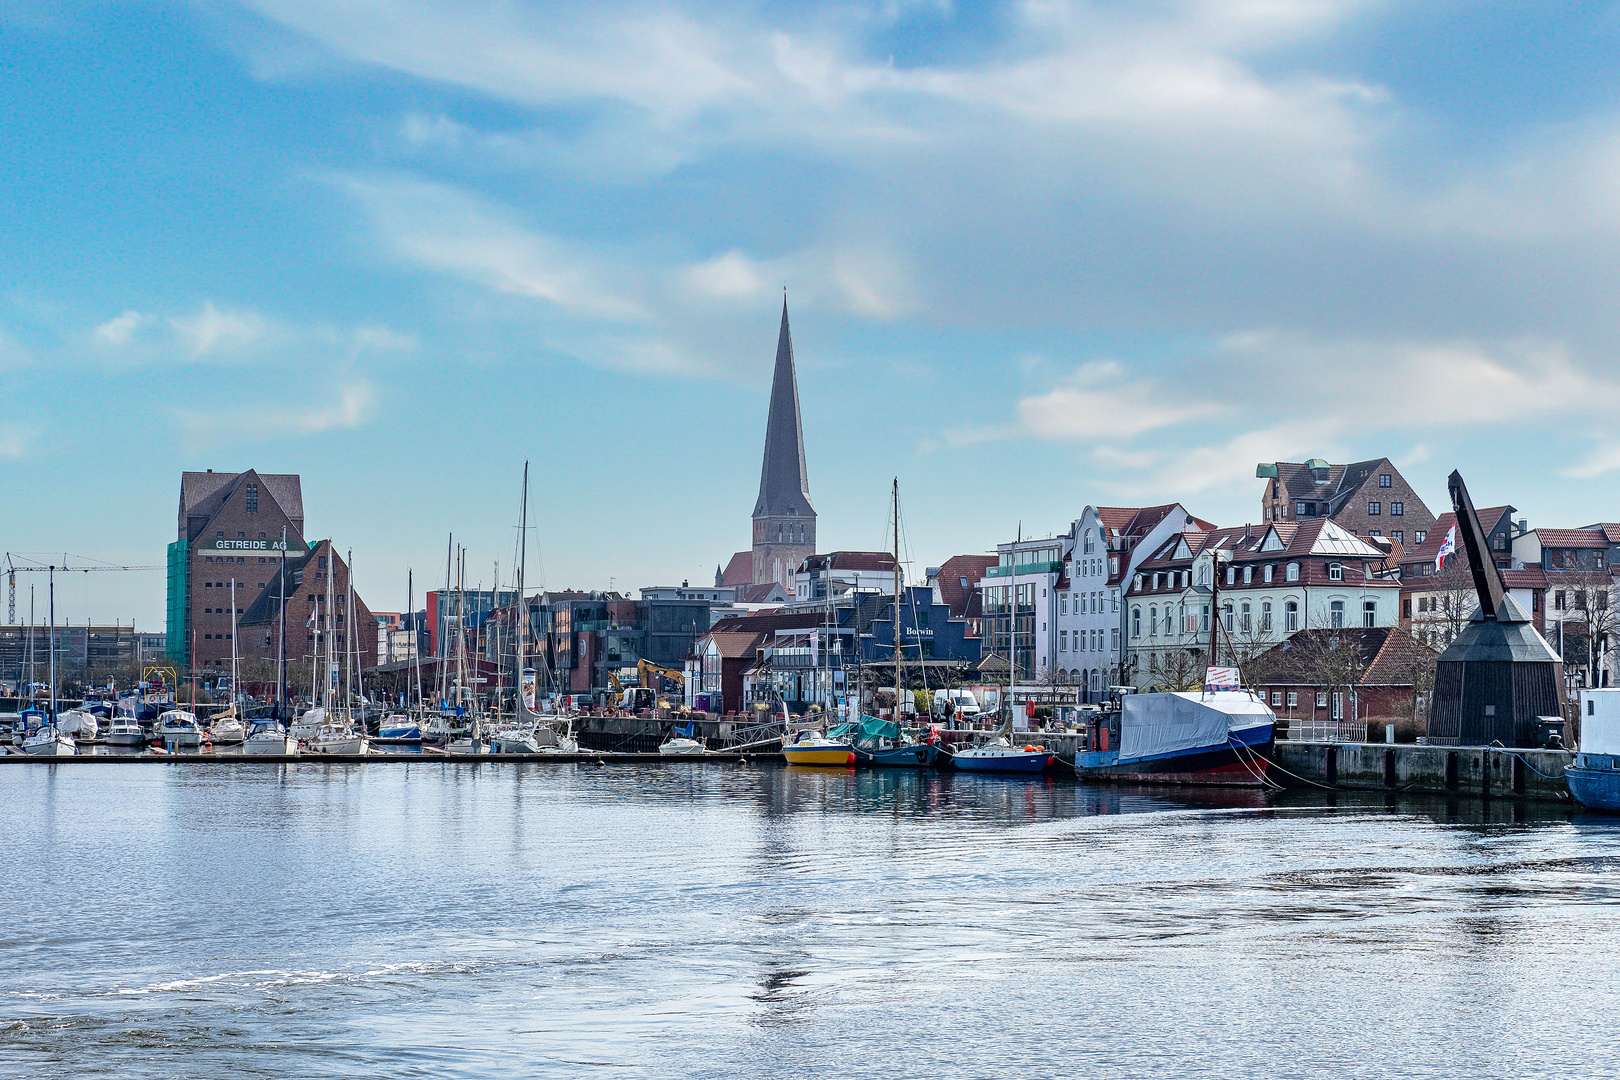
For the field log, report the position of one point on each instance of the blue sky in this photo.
(1039, 254)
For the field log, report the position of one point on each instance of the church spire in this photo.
(784, 485)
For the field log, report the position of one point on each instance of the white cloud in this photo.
(450, 231)
(349, 406)
(730, 276)
(1601, 461)
(1099, 404)
(235, 337)
(211, 332)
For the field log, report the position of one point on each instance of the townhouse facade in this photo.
(1438, 598)
(1274, 580)
(1106, 544)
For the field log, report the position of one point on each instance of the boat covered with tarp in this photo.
(1219, 737)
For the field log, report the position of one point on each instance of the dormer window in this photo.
(1266, 573)
(1335, 571)
(1291, 572)
(1248, 575)
(1231, 575)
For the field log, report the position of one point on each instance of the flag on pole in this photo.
(311, 622)
(1448, 546)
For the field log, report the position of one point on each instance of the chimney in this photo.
(1524, 526)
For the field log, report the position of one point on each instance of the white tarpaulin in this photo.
(1152, 724)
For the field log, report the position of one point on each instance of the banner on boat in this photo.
(273, 546)
(528, 690)
(1221, 678)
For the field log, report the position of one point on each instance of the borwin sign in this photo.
(273, 546)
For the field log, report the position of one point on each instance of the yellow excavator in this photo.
(644, 693)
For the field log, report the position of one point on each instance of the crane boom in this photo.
(21, 564)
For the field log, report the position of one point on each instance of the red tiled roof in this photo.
(739, 571)
(1531, 577)
(1611, 531)
(951, 593)
(1573, 538)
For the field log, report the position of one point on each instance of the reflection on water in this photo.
(712, 919)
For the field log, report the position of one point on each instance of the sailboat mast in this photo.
(354, 650)
(236, 692)
(52, 646)
(522, 604)
(416, 651)
(331, 643)
(897, 600)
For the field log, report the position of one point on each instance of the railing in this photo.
(1303, 730)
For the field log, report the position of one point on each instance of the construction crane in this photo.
(25, 563)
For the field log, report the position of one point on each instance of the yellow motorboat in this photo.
(814, 748)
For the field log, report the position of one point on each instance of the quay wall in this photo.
(1482, 771)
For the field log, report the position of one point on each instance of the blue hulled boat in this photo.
(1594, 778)
(881, 742)
(1221, 738)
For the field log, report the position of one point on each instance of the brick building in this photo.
(1367, 498)
(1335, 683)
(260, 625)
(231, 526)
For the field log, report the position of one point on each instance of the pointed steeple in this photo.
(784, 486)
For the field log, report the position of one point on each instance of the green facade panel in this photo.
(178, 623)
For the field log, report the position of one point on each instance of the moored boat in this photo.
(338, 738)
(50, 742)
(399, 726)
(125, 731)
(177, 727)
(269, 738)
(882, 743)
(1001, 755)
(1219, 738)
(78, 723)
(1594, 776)
(812, 746)
(681, 746)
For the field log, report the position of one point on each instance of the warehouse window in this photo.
(1397, 509)
(253, 498)
(1383, 480)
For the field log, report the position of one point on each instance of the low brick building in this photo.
(1335, 683)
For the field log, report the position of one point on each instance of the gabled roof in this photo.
(1386, 656)
(739, 571)
(881, 561)
(203, 493)
(766, 623)
(1611, 531)
(1489, 519)
(763, 593)
(1531, 577)
(266, 607)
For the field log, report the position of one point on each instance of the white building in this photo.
(1105, 545)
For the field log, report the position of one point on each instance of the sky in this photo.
(1037, 255)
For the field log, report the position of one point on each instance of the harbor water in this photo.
(723, 920)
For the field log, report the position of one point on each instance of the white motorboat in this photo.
(49, 742)
(178, 727)
(466, 745)
(399, 726)
(513, 741)
(681, 746)
(268, 737)
(78, 724)
(125, 731)
(338, 739)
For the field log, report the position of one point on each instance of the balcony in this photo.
(1025, 569)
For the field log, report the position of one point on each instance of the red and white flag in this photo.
(1448, 546)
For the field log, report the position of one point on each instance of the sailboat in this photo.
(49, 741)
(883, 742)
(339, 736)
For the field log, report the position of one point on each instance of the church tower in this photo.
(784, 520)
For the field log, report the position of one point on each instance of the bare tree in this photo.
(1178, 669)
(1452, 600)
(1590, 612)
(1416, 666)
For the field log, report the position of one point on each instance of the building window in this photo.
(1299, 509)
(1399, 535)
(1338, 706)
(1063, 603)
(1291, 616)
(1203, 622)
(1373, 509)
(1406, 608)
(1153, 622)
(1321, 699)
(1383, 480)
(1369, 613)
(1136, 622)
(1335, 571)
(1293, 699)
(1276, 697)
(1420, 536)
(1248, 574)
(1291, 572)
(1265, 616)
(1246, 624)
(1266, 574)
(1226, 616)
(1559, 601)
(1374, 532)
(253, 498)
(1397, 509)
(1336, 614)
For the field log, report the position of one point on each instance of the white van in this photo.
(963, 704)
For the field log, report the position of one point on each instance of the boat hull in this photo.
(1020, 762)
(1595, 789)
(51, 748)
(274, 746)
(126, 738)
(915, 756)
(1244, 761)
(839, 756)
